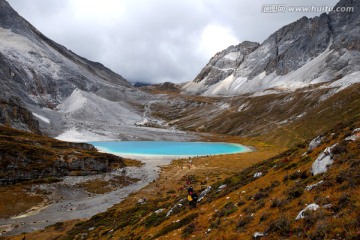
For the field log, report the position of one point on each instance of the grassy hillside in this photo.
(277, 118)
(240, 205)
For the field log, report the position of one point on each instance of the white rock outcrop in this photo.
(310, 207)
(323, 161)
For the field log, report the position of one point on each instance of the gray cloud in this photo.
(155, 40)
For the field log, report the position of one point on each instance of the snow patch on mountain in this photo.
(345, 82)
(88, 106)
(304, 54)
(77, 135)
(232, 56)
(263, 84)
(42, 118)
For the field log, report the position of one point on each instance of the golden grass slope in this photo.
(245, 204)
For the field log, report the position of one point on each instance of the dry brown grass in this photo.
(247, 204)
(283, 119)
(100, 186)
(204, 171)
(55, 232)
(17, 199)
(132, 163)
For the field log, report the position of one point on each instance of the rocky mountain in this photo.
(71, 97)
(224, 63)
(322, 50)
(44, 72)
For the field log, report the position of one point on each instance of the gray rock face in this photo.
(33, 65)
(16, 116)
(345, 26)
(224, 63)
(309, 51)
(73, 98)
(288, 48)
(21, 168)
(26, 156)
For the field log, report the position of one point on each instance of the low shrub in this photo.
(290, 166)
(340, 148)
(249, 210)
(321, 230)
(275, 184)
(344, 200)
(321, 200)
(294, 175)
(305, 159)
(189, 229)
(313, 217)
(299, 174)
(226, 210)
(260, 195)
(171, 192)
(286, 177)
(176, 225)
(260, 204)
(59, 226)
(295, 192)
(277, 203)
(216, 223)
(243, 222)
(154, 219)
(264, 217)
(280, 226)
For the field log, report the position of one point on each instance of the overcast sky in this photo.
(156, 40)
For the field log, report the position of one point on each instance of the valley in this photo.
(238, 204)
(293, 100)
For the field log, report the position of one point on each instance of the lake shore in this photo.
(167, 179)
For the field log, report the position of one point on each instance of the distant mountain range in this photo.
(307, 71)
(318, 51)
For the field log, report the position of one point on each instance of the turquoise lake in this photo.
(169, 148)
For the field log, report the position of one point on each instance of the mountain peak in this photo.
(224, 63)
(44, 69)
(306, 52)
(10, 19)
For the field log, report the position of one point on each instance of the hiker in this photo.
(194, 197)
(190, 200)
(190, 190)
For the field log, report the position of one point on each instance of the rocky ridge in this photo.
(224, 63)
(321, 50)
(66, 93)
(27, 156)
